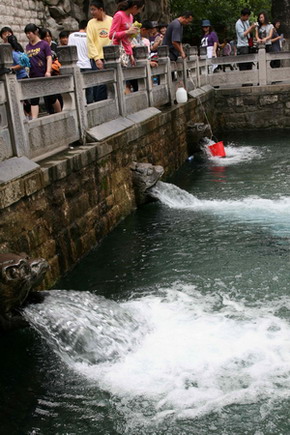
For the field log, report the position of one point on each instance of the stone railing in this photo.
(48, 135)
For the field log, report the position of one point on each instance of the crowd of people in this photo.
(259, 32)
(39, 59)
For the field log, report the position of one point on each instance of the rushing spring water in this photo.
(179, 322)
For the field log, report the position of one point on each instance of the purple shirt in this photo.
(37, 54)
(209, 40)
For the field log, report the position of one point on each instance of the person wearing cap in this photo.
(143, 39)
(154, 31)
(209, 41)
(158, 38)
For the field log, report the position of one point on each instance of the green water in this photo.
(207, 278)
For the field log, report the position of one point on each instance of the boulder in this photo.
(63, 10)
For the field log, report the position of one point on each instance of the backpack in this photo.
(55, 67)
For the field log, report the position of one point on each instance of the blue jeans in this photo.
(99, 92)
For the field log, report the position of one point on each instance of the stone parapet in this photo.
(64, 207)
(152, 86)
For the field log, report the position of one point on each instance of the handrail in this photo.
(32, 139)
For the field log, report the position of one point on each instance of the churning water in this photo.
(179, 322)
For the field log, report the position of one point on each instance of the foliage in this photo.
(223, 14)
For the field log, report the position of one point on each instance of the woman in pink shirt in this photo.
(122, 26)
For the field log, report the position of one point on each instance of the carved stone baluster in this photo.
(112, 60)
(141, 55)
(163, 57)
(68, 58)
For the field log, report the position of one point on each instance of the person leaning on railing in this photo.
(122, 33)
(122, 29)
(174, 35)
(264, 31)
(39, 54)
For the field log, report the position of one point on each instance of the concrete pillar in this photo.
(141, 56)
(68, 58)
(262, 65)
(15, 112)
(163, 56)
(112, 60)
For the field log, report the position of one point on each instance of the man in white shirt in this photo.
(243, 31)
(79, 39)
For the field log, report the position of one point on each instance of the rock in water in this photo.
(19, 274)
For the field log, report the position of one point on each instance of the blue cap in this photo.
(205, 23)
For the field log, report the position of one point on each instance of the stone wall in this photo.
(58, 15)
(253, 107)
(17, 13)
(64, 208)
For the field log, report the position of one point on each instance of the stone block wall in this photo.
(63, 209)
(253, 107)
(17, 13)
(58, 15)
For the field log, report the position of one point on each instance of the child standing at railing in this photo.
(39, 54)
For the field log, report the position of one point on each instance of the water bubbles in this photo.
(269, 213)
(85, 328)
(178, 352)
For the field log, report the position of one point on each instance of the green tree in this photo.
(223, 14)
(281, 10)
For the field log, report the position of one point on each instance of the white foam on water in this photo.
(190, 354)
(252, 208)
(85, 327)
(234, 154)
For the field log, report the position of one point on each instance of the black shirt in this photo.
(174, 33)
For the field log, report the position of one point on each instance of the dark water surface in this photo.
(179, 322)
